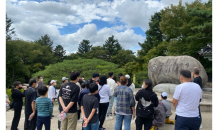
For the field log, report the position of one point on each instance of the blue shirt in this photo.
(44, 106)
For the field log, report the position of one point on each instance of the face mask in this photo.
(41, 79)
(55, 84)
(36, 86)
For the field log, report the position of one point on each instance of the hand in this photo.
(66, 109)
(53, 101)
(85, 119)
(85, 124)
(133, 115)
(31, 116)
(24, 87)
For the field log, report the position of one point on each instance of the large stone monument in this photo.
(166, 69)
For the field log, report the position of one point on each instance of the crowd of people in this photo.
(100, 97)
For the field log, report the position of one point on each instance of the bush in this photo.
(140, 77)
(86, 67)
(8, 92)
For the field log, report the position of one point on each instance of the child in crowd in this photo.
(89, 108)
(166, 104)
(44, 108)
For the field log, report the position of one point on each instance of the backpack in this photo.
(159, 115)
(145, 109)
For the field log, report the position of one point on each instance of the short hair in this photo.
(149, 83)
(120, 74)
(103, 80)
(185, 73)
(196, 71)
(74, 75)
(114, 78)
(80, 81)
(123, 80)
(129, 82)
(83, 85)
(165, 97)
(110, 74)
(16, 83)
(42, 90)
(94, 75)
(32, 80)
(49, 82)
(39, 77)
(93, 87)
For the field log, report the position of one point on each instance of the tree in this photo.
(123, 57)
(45, 41)
(84, 47)
(97, 52)
(59, 52)
(9, 31)
(112, 45)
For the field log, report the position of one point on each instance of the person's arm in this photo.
(33, 99)
(91, 115)
(83, 113)
(133, 112)
(176, 96)
(61, 99)
(137, 96)
(132, 102)
(175, 102)
(50, 107)
(74, 99)
(115, 92)
(53, 94)
(155, 102)
(109, 91)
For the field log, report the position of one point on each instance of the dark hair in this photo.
(39, 77)
(123, 80)
(49, 82)
(114, 78)
(42, 90)
(74, 75)
(185, 73)
(17, 83)
(120, 74)
(196, 71)
(95, 75)
(83, 85)
(82, 76)
(164, 97)
(149, 83)
(93, 87)
(129, 82)
(103, 80)
(80, 81)
(32, 80)
(110, 74)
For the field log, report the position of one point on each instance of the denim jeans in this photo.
(43, 120)
(92, 126)
(119, 119)
(110, 105)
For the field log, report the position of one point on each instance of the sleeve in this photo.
(177, 93)
(98, 96)
(75, 95)
(60, 92)
(155, 101)
(33, 96)
(36, 105)
(20, 94)
(80, 97)
(132, 100)
(50, 106)
(95, 104)
(137, 95)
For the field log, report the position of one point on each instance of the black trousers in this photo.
(78, 112)
(17, 113)
(30, 125)
(187, 123)
(102, 113)
(147, 122)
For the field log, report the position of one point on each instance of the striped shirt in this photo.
(44, 106)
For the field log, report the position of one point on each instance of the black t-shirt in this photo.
(90, 102)
(17, 96)
(198, 80)
(30, 96)
(70, 92)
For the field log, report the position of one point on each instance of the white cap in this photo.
(127, 76)
(64, 78)
(164, 94)
(52, 81)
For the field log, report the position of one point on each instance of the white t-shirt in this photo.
(51, 92)
(188, 95)
(104, 93)
(132, 86)
(112, 84)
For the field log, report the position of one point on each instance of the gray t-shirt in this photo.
(168, 106)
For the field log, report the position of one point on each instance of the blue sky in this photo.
(68, 22)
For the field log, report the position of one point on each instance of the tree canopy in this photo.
(84, 47)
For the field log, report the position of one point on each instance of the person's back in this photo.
(30, 95)
(159, 115)
(132, 86)
(168, 107)
(198, 80)
(189, 97)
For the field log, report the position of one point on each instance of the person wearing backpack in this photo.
(147, 100)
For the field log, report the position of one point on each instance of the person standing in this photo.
(198, 80)
(40, 84)
(186, 101)
(48, 85)
(95, 77)
(125, 109)
(64, 81)
(113, 85)
(130, 84)
(104, 92)
(30, 111)
(147, 100)
(17, 97)
(68, 99)
(44, 109)
(52, 92)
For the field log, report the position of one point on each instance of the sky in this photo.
(68, 22)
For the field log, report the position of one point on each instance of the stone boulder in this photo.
(166, 69)
(165, 87)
